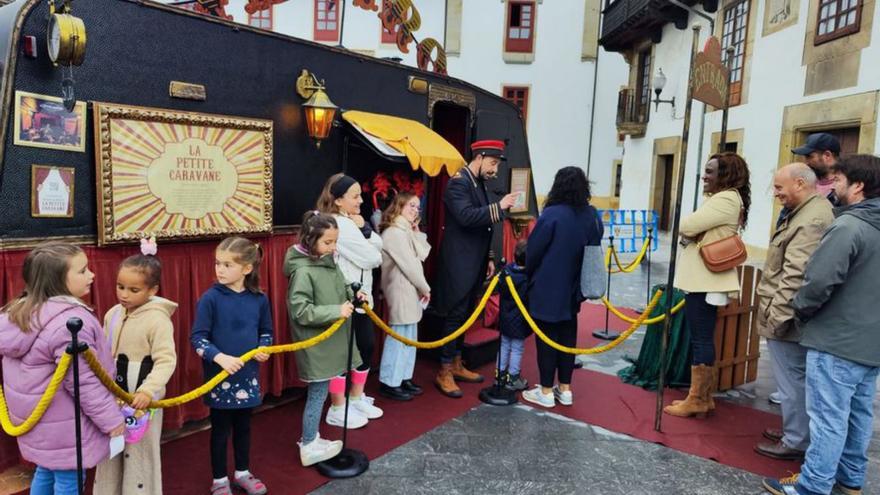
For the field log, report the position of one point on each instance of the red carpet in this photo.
(275, 457)
(727, 436)
(602, 400)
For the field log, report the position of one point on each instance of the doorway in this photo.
(848, 137)
(662, 193)
(453, 123)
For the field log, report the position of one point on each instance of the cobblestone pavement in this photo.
(520, 450)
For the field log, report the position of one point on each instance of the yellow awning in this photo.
(424, 148)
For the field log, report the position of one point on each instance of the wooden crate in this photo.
(736, 334)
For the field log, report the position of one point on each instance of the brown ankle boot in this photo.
(446, 383)
(697, 401)
(462, 374)
(713, 382)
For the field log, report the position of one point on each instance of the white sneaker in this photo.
(367, 409)
(535, 396)
(775, 398)
(564, 398)
(318, 450)
(336, 417)
(370, 400)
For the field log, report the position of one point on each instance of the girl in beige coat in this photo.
(142, 339)
(726, 183)
(407, 292)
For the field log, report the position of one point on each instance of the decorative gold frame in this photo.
(522, 176)
(80, 110)
(34, 209)
(105, 113)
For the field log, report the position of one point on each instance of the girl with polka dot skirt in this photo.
(233, 317)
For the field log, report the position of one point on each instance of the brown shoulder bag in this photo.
(724, 254)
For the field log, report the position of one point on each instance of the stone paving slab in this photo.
(522, 450)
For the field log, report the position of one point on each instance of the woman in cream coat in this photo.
(726, 183)
(406, 290)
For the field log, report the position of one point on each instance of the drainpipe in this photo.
(711, 20)
(593, 105)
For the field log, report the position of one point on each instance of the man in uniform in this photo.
(464, 254)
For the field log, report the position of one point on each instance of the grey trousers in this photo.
(789, 361)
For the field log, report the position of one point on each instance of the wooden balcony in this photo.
(626, 22)
(632, 115)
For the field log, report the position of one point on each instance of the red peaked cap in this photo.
(489, 147)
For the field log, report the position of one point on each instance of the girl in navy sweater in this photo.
(233, 317)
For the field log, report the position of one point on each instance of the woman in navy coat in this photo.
(555, 252)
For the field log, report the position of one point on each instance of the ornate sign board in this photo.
(179, 174)
(710, 75)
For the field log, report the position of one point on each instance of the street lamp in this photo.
(319, 110)
(659, 83)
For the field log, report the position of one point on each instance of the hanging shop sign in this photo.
(178, 174)
(403, 18)
(709, 80)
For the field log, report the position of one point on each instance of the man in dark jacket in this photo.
(841, 329)
(464, 254)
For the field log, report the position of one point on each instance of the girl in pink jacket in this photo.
(33, 338)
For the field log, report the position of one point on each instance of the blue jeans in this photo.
(840, 396)
(49, 482)
(700, 317)
(511, 354)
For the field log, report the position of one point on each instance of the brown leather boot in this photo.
(462, 374)
(446, 383)
(697, 401)
(714, 386)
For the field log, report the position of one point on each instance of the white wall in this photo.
(776, 81)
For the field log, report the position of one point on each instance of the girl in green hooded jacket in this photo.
(317, 296)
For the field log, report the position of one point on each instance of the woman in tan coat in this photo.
(724, 212)
(406, 290)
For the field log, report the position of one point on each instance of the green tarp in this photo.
(645, 370)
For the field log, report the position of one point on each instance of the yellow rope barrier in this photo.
(649, 321)
(213, 382)
(575, 350)
(42, 405)
(107, 380)
(437, 343)
(630, 267)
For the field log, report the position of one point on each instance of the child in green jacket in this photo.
(317, 296)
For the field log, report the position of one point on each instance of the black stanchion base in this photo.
(498, 396)
(347, 464)
(604, 334)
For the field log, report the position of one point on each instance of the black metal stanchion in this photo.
(498, 394)
(74, 325)
(349, 462)
(604, 333)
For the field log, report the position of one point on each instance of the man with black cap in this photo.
(821, 152)
(465, 254)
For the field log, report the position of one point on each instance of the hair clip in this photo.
(149, 246)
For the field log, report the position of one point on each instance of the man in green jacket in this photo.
(838, 305)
